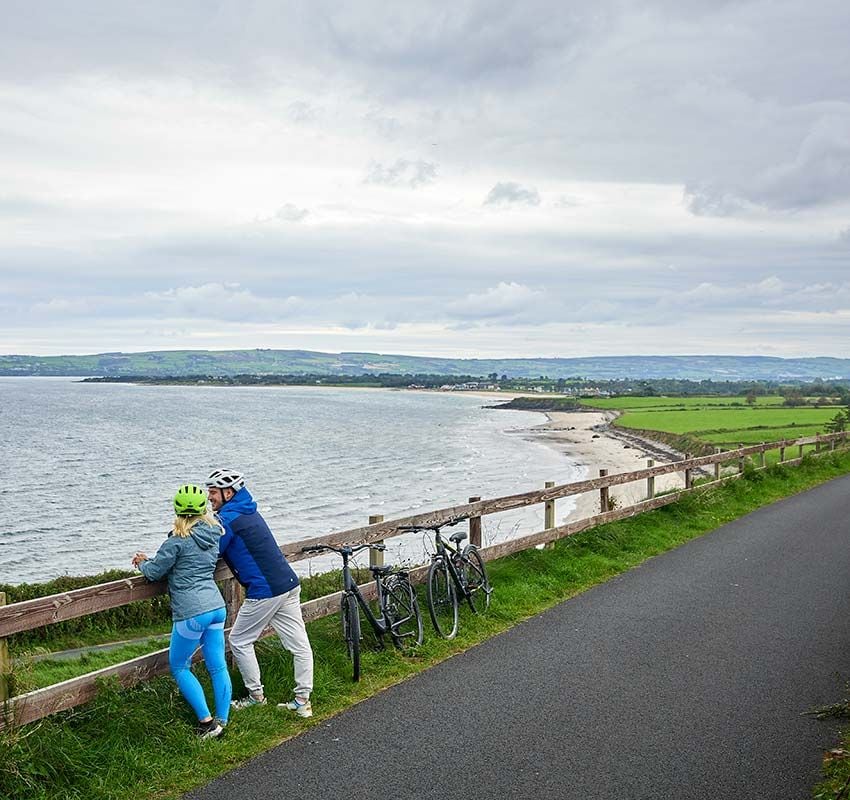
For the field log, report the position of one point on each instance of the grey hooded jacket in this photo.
(189, 564)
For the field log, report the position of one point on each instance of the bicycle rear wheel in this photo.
(401, 611)
(351, 632)
(474, 577)
(442, 599)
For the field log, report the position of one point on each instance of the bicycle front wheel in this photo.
(442, 599)
(401, 611)
(474, 577)
(351, 632)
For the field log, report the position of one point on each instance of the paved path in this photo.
(684, 678)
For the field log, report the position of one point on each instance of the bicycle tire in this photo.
(401, 611)
(442, 599)
(475, 580)
(351, 632)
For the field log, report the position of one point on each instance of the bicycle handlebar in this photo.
(350, 548)
(435, 527)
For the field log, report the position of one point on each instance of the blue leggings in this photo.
(206, 630)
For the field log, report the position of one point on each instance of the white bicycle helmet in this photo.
(225, 479)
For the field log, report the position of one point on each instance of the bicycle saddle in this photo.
(381, 570)
(458, 537)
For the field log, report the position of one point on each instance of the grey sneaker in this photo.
(210, 729)
(247, 702)
(302, 709)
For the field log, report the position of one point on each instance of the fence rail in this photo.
(36, 613)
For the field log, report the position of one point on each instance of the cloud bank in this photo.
(473, 178)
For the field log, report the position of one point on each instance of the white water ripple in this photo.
(91, 468)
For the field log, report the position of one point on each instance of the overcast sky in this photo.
(449, 178)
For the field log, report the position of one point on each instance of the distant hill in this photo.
(265, 362)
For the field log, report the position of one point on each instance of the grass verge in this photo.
(127, 744)
(836, 762)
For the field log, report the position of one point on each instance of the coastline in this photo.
(587, 438)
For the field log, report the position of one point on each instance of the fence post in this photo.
(475, 526)
(376, 557)
(549, 509)
(741, 459)
(549, 513)
(800, 453)
(763, 457)
(231, 591)
(5, 663)
(832, 444)
(603, 493)
(650, 482)
(817, 442)
(717, 450)
(782, 454)
(689, 478)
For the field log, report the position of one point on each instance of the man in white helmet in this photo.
(272, 591)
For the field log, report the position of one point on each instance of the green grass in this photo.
(132, 743)
(31, 675)
(622, 403)
(700, 420)
(724, 421)
(90, 637)
(759, 435)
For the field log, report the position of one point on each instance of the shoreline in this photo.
(586, 437)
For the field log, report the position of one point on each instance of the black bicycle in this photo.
(400, 616)
(453, 572)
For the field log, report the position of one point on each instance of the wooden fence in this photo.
(42, 611)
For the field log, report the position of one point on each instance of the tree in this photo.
(840, 422)
(794, 398)
(751, 398)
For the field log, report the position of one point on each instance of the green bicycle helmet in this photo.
(190, 501)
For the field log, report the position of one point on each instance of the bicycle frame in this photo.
(350, 587)
(450, 553)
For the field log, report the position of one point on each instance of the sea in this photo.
(89, 469)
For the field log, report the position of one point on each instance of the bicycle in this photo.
(400, 616)
(453, 572)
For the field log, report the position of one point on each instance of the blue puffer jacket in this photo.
(189, 564)
(250, 550)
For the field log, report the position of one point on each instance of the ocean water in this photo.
(90, 469)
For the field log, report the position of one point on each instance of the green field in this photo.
(722, 421)
(659, 403)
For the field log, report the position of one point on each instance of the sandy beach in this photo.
(585, 436)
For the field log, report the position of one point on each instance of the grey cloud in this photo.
(474, 43)
(568, 202)
(303, 113)
(711, 200)
(402, 172)
(17, 207)
(844, 236)
(385, 126)
(818, 175)
(506, 300)
(291, 213)
(511, 193)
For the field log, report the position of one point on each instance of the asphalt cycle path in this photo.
(686, 677)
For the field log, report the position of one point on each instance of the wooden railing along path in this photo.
(36, 613)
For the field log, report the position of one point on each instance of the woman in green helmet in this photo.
(188, 558)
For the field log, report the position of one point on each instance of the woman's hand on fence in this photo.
(138, 558)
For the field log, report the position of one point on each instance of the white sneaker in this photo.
(302, 709)
(247, 702)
